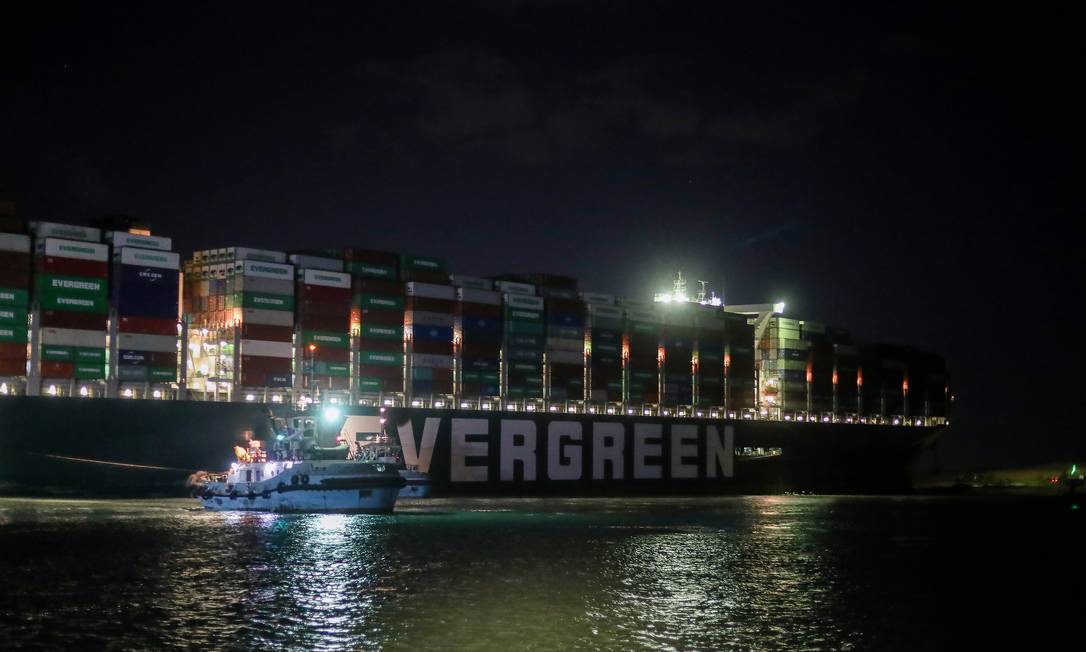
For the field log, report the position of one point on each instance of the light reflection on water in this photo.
(759, 572)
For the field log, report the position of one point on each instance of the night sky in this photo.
(903, 172)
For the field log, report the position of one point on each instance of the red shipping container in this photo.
(71, 267)
(321, 293)
(479, 310)
(570, 306)
(15, 262)
(146, 325)
(14, 278)
(9, 350)
(474, 349)
(87, 321)
(264, 365)
(383, 317)
(52, 369)
(12, 367)
(378, 287)
(266, 332)
(324, 308)
(330, 354)
(317, 323)
(161, 359)
(427, 304)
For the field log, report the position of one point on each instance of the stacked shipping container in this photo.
(709, 356)
(565, 344)
(522, 349)
(377, 318)
(323, 322)
(642, 350)
(678, 345)
(478, 333)
(604, 339)
(739, 365)
(429, 314)
(14, 303)
(783, 365)
(71, 292)
(145, 294)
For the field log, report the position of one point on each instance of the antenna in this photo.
(702, 291)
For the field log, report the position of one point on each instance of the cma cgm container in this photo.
(522, 344)
(377, 318)
(14, 308)
(323, 320)
(146, 294)
(71, 292)
(604, 331)
(642, 349)
(478, 335)
(429, 315)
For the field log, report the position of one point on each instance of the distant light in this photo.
(277, 398)
(465, 404)
(128, 392)
(511, 406)
(4, 388)
(438, 404)
(530, 407)
(388, 401)
(334, 400)
(554, 408)
(778, 307)
(53, 390)
(416, 403)
(248, 397)
(157, 393)
(83, 391)
(486, 406)
(331, 414)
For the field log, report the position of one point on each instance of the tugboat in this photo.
(300, 477)
(378, 447)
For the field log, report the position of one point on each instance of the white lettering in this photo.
(461, 449)
(419, 457)
(643, 432)
(559, 468)
(684, 446)
(608, 445)
(719, 454)
(512, 452)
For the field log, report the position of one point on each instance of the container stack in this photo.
(783, 365)
(642, 350)
(71, 290)
(145, 294)
(323, 323)
(423, 269)
(429, 313)
(932, 395)
(678, 338)
(709, 357)
(819, 370)
(845, 365)
(522, 344)
(14, 306)
(565, 345)
(478, 332)
(739, 365)
(604, 327)
(377, 318)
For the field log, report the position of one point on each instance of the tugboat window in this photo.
(248, 476)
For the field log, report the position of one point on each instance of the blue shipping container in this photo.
(423, 333)
(145, 291)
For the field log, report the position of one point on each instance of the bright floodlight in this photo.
(331, 414)
(778, 307)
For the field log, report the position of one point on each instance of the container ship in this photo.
(124, 368)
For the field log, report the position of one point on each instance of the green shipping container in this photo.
(87, 371)
(566, 332)
(57, 353)
(85, 354)
(408, 261)
(373, 301)
(473, 377)
(73, 303)
(163, 374)
(608, 323)
(82, 286)
(13, 315)
(326, 339)
(380, 358)
(382, 332)
(525, 341)
(12, 334)
(522, 315)
(338, 369)
(257, 301)
(522, 328)
(13, 297)
(369, 384)
(369, 270)
(526, 368)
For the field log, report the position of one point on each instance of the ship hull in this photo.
(107, 447)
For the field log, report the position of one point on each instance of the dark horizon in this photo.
(902, 172)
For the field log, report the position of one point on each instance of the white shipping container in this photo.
(126, 239)
(301, 261)
(267, 349)
(565, 344)
(596, 297)
(422, 317)
(472, 282)
(432, 361)
(247, 253)
(143, 342)
(148, 258)
(509, 287)
(521, 301)
(261, 269)
(73, 337)
(326, 278)
(258, 284)
(267, 317)
(605, 311)
(471, 295)
(73, 249)
(65, 231)
(431, 291)
(16, 242)
(565, 357)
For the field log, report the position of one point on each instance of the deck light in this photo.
(331, 414)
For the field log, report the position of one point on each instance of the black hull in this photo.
(105, 447)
